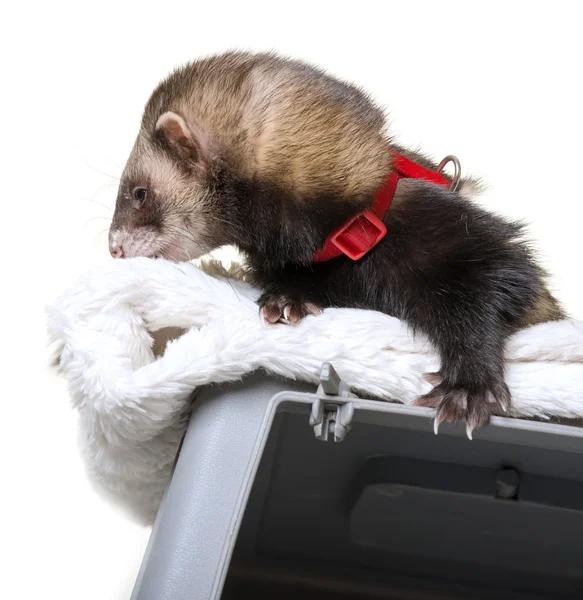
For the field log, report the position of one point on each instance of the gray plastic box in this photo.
(258, 505)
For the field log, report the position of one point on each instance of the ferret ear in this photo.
(189, 141)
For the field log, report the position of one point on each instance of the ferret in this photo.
(272, 155)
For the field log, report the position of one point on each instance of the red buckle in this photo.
(366, 230)
(359, 235)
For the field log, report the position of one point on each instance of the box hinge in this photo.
(330, 418)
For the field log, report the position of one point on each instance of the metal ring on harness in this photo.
(457, 170)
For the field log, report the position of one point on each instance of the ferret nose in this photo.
(117, 251)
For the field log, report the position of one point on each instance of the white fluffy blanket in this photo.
(133, 405)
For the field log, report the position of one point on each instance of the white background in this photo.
(496, 83)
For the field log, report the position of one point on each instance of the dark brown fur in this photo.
(275, 155)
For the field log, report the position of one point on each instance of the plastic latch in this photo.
(329, 417)
(507, 484)
(362, 233)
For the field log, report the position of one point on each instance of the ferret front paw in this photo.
(456, 402)
(276, 308)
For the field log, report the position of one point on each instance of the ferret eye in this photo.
(140, 194)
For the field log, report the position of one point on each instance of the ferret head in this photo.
(164, 200)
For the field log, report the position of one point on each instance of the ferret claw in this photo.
(281, 309)
(433, 378)
(456, 403)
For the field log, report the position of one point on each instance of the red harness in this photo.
(365, 230)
